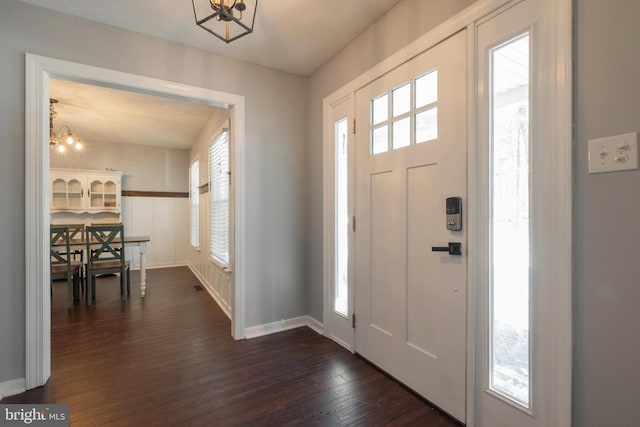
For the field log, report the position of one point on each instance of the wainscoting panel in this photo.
(165, 220)
(215, 279)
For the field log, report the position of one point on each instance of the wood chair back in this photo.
(59, 253)
(110, 238)
(60, 259)
(76, 231)
(105, 249)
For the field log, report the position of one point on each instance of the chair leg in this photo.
(122, 285)
(89, 278)
(69, 292)
(83, 279)
(76, 286)
(128, 281)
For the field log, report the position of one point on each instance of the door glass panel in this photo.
(380, 138)
(401, 133)
(401, 100)
(380, 109)
(427, 125)
(510, 282)
(427, 89)
(341, 290)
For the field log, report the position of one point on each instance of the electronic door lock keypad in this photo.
(454, 213)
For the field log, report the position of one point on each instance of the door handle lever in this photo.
(454, 248)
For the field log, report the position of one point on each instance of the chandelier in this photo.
(65, 136)
(226, 19)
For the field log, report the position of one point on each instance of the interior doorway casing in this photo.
(38, 71)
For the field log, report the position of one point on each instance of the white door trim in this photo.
(38, 71)
(558, 14)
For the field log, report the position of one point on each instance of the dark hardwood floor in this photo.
(169, 360)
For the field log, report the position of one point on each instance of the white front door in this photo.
(410, 157)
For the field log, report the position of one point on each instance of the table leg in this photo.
(143, 268)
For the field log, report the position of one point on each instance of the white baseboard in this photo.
(9, 388)
(210, 290)
(317, 326)
(260, 330)
(165, 265)
(283, 325)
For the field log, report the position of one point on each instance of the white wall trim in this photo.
(284, 325)
(165, 265)
(210, 290)
(9, 388)
(314, 324)
(38, 70)
(559, 15)
(473, 188)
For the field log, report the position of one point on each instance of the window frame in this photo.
(194, 220)
(221, 258)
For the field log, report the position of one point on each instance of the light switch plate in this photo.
(613, 153)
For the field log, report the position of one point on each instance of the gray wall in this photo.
(275, 154)
(406, 22)
(163, 169)
(606, 368)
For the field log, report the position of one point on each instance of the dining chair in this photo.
(62, 267)
(106, 255)
(76, 231)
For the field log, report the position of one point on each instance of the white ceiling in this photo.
(296, 36)
(102, 115)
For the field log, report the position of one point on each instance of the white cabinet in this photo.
(85, 191)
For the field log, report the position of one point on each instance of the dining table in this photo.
(140, 241)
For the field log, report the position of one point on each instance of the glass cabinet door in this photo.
(74, 194)
(97, 194)
(59, 194)
(66, 193)
(110, 194)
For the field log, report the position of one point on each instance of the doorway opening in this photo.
(39, 71)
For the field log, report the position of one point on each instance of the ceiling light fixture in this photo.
(226, 19)
(65, 136)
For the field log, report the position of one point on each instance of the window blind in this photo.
(220, 179)
(194, 203)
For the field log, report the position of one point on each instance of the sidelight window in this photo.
(510, 207)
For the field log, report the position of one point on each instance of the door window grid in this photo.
(405, 115)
